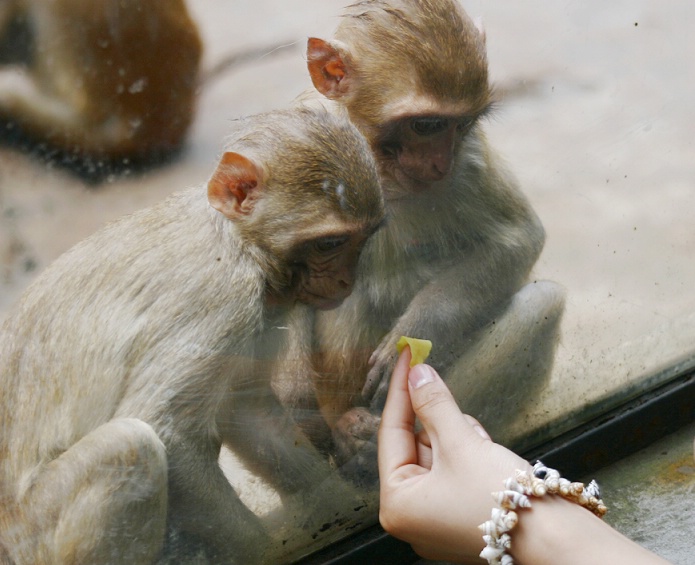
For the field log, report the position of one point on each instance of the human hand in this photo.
(436, 484)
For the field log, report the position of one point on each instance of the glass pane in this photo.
(595, 123)
(595, 120)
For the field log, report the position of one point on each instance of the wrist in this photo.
(556, 530)
(553, 531)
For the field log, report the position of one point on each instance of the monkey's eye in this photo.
(327, 244)
(429, 126)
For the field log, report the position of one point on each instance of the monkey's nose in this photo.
(440, 166)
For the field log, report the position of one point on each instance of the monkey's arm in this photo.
(503, 239)
(263, 433)
(293, 379)
(203, 503)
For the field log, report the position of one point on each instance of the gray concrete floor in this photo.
(651, 495)
(597, 120)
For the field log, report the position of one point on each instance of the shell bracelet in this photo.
(516, 494)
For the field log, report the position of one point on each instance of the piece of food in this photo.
(419, 348)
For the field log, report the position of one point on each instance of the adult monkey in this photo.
(453, 262)
(110, 81)
(133, 357)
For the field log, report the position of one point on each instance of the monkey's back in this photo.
(78, 348)
(132, 70)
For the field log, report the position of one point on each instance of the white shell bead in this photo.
(491, 553)
(511, 499)
(538, 487)
(489, 528)
(516, 495)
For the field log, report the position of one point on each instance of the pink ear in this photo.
(234, 187)
(328, 70)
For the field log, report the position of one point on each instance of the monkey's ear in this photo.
(235, 186)
(329, 72)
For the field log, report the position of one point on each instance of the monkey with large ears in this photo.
(100, 81)
(452, 264)
(136, 354)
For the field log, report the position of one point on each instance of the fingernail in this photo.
(420, 375)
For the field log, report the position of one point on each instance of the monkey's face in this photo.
(415, 137)
(323, 272)
(419, 150)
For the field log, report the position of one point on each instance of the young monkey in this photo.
(136, 354)
(110, 81)
(453, 261)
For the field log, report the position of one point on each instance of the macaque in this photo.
(453, 261)
(104, 81)
(136, 354)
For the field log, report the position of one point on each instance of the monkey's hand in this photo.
(354, 437)
(383, 361)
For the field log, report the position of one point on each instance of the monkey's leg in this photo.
(510, 360)
(44, 112)
(104, 500)
(50, 99)
(54, 98)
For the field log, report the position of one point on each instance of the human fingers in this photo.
(397, 447)
(435, 406)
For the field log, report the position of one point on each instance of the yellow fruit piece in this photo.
(419, 348)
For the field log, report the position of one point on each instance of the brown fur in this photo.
(449, 65)
(104, 79)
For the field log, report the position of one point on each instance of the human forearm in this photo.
(555, 530)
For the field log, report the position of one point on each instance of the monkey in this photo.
(101, 84)
(453, 261)
(131, 359)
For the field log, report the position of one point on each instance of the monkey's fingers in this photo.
(379, 398)
(374, 377)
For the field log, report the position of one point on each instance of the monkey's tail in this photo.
(241, 57)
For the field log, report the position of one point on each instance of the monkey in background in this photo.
(136, 354)
(101, 82)
(453, 261)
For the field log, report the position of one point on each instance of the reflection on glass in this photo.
(594, 121)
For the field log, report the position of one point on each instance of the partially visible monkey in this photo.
(130, 360)
(106, 80)
(453, 261)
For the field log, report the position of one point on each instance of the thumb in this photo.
(433, 403)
